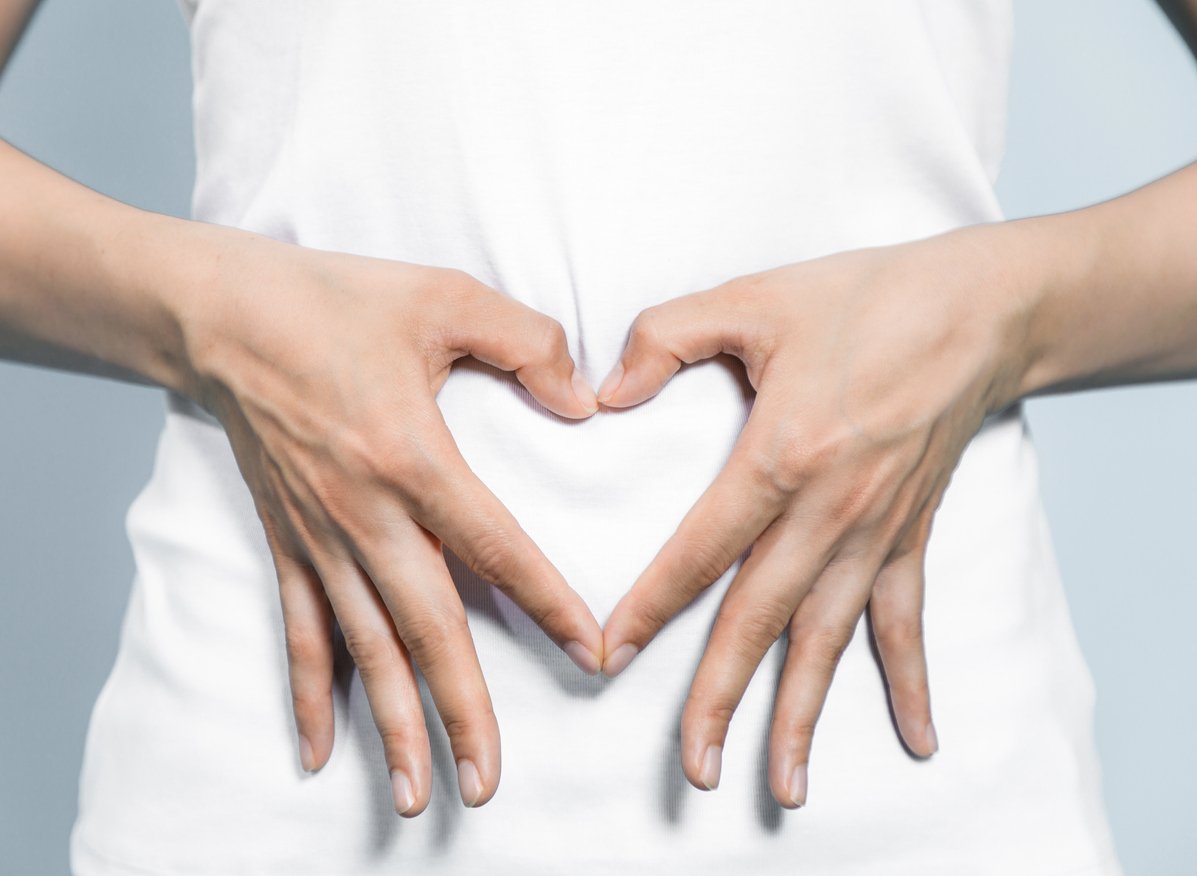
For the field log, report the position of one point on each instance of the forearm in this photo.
(13, 18)
(1183, 15)
(1113, 289)
(86, 281)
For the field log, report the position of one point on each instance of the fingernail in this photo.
(798, 785)
(611, 383)
(401, 790)
(583, 392)
(619, 659)
(711, 764)
(307, 757)
(469, 782)
(586, 659)
(932, 738)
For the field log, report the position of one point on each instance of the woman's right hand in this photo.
(323, 368)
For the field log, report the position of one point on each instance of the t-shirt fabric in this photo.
(591, 159)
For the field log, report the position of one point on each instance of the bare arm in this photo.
(14, 15)
(874, 369)
(1116, 283)
(50, 222)
(323, 368)
(1115, 289)
(1183, 15)
(79, 287)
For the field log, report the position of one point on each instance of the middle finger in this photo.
(728, 517)
(409, 570)
(755, 610)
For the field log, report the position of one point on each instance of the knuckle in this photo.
(461, 278)
(445, 294)
(461, 729)
(406, 465)
(757, 629)
(354, 459)
(801, 730)
(306, 646)
(308, 701)
(652, 615)
(399, 733)
(826, 645)
(646, 327)
(431, 634)
(865, 500)
(851, 505)
(373, 655)
(791, 462)
(714, 710)
(492, 556)
(901, 632)
(553, 345)
(551, 616)
(706, 561)
(453, 286)
(398, 459)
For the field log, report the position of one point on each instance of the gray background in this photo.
(1104, 98)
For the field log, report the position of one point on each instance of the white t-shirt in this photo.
(591, 159)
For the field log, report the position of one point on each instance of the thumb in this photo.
(663, 337)
(510, 335)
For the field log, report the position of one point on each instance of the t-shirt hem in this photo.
(87, 861)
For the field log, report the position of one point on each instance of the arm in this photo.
(874, 369)
(1114, 289)
(79, 287)
(14, 16)
(58, 245)
(323, 368)
(1183, 15)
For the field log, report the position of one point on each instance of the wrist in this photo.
(139, 263)
(180, 270)
(1056, 255)
(1035, 262)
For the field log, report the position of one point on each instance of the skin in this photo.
(331, 414)
(874, 369)
(330, 411)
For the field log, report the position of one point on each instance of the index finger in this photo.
(453, 504)
(727, 518)
(410, 578)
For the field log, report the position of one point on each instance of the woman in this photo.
(556, 189)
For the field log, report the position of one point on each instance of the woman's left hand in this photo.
(873, 368)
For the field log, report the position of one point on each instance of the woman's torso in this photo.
(591, 159)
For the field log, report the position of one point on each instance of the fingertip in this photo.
(315, 747)
(919, 736)
(403, 792)
(583, 393)
(617, 661)
(307, 757)
(639, 382)
(314, 728)
(411, 777)
(611, 383)
(796, 786)
(469, 784)
(703, 766)
(586, 659)
(712, 766)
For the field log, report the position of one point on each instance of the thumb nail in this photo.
(932, 739)
(611, 383)
(583, 392)
(469, 782)
(306, 756)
